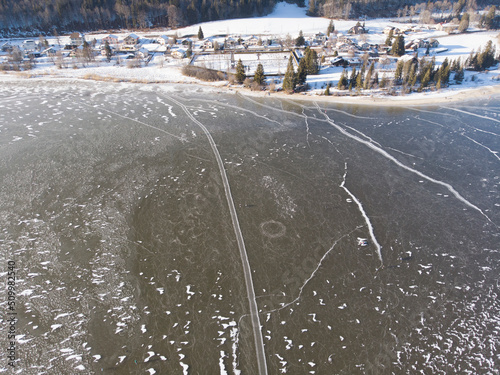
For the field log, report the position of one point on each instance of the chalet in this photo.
(187, 41)
(432, 43)
(395, 30)
(164, 40)
(320, 38)
(449, 28)
(142, 53)
(358, 29)
(252, 41)
(28, 45)
(131, 40)
(230, 43)
(178, 53)
(414, 44)
(103, 50)
(51, 51)
(6, 47)
(77, 39)
(111, 39)
(208, 43)
(339, 61)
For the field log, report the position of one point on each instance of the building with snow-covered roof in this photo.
(131, 40)
(76, 39)
(111, 39)
(164, 39)
(178, 53)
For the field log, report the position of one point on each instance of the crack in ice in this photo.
(312, 274)
(365, 216)
(384, 153)
(254, 315)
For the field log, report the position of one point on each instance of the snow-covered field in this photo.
(285, 20)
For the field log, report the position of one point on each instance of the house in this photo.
(111, 39)
(252, 41)
(131, 40)
(77, 39)
(28, 45)
(432, 43)
(208, 43)
(230, 43)
(164, 40)
(6, 47)
(339, 61)
(395, 30)
(104, 52)
(178, 53)
(51, 51)
(447, 27)
(358, 29)
(320, 38)
(142, 53)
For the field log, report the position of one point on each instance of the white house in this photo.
(131, 40)
(164, 40)
(111, 39)
(29, 45)
(142, 53)
(77, 39)
(178, 53)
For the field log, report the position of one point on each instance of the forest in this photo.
(33, 17)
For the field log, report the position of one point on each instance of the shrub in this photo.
(203, 74)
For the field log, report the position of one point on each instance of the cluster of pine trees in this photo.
(38, 16)
(445, 9)
(482, 60)
(410, 75)
(65, 15)
(307, 65)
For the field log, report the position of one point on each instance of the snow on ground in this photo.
(285, 19)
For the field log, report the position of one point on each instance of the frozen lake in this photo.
(171, 230)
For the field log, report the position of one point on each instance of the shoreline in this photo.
(415, 99)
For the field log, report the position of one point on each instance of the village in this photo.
(341, 49)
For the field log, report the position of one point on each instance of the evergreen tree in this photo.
(352, 80)
(342, 85)
(107, 50)
(300, 41)
(302, 72)
(200, 34)
(412, 80)
(459, 76)
(398, 74)
(489, 17)
(311, 61)
(259, 76)
(398, 47)
(327, 91)
(369, 74)
(289, 80)
(424, 82)
(444, 73)
(312, 8)
(464, 23)
(388, 41)
(359, 82)
(240, 72)
(331, 28)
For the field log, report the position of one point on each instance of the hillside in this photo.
(34, 17)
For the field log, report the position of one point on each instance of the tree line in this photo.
(42, 16)
(84, 15)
